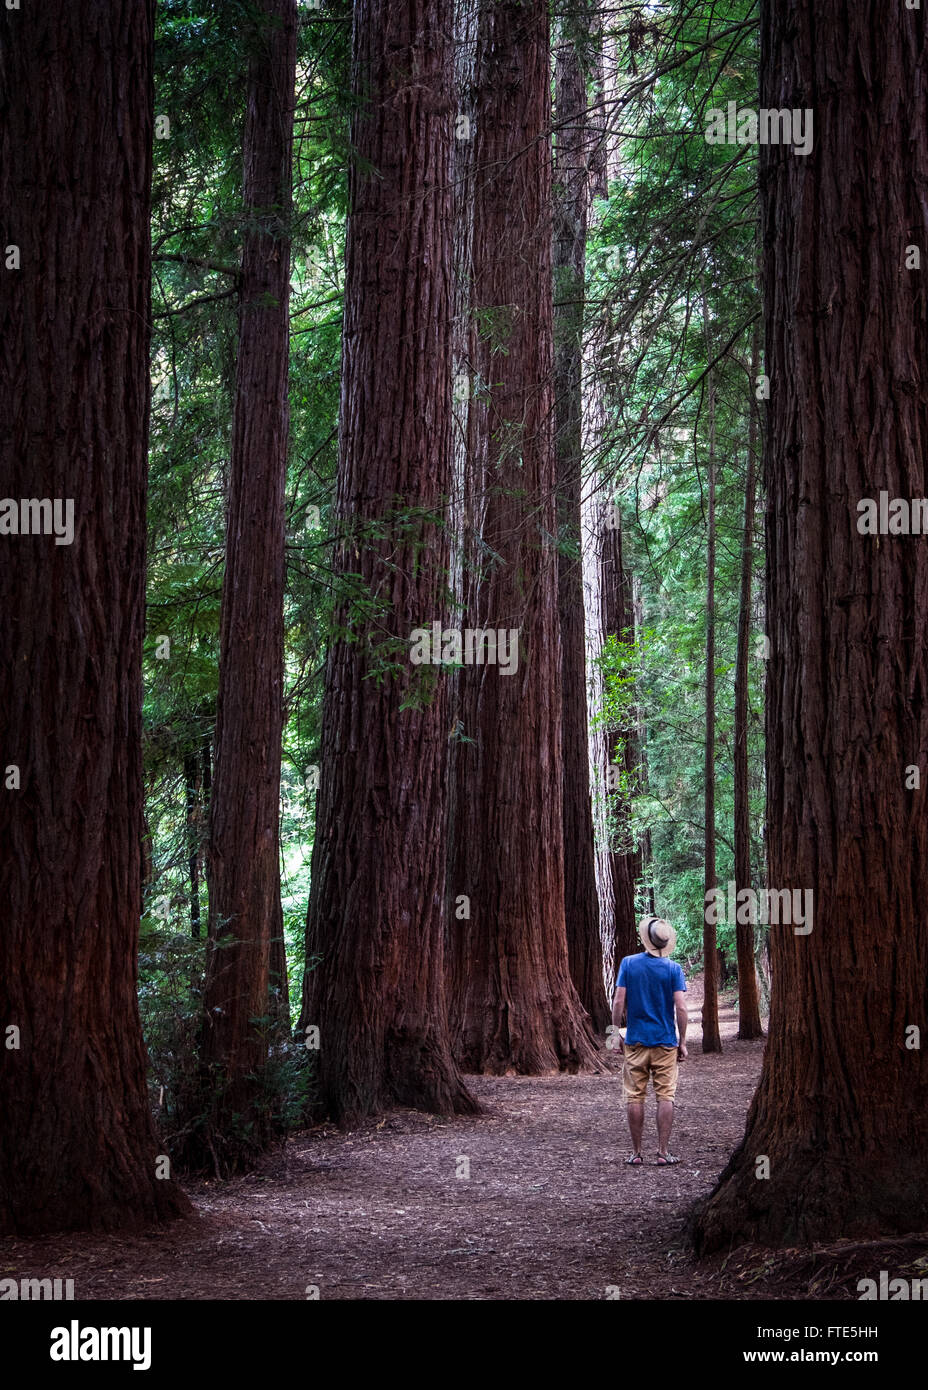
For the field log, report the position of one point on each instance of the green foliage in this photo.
(672, 306)
(202, 53)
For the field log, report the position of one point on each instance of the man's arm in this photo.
(618, 1012)
(683, 1018)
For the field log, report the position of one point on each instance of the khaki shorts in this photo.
(660, 1063)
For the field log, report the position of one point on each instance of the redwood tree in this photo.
(749, 1024)
(376, 910)
(513, 1005)
(77, 1144)
(245, 970)
(841, 1111)
(573, 147)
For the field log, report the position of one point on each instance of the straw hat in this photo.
(657, 936)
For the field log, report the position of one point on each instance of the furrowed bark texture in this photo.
(572, 177)
(78, 1148)
(376, 910)
(242, 999)
(749, 1024)
(513, 1005)
(842, 1106)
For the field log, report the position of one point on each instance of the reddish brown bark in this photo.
(572, 175)
(77, 1146)
(841, 1111)
(512, 1004)
(246, 925)
(749, 1025)
(376, 909)
(466, 493)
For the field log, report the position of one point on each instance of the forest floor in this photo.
(549, 1211)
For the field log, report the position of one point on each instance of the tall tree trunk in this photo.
(841, 1112)
(597, 120)
(464, 511)
(513, 1005)
(622, 748)
(244, 850)
(593, 426)
(711, 1038)
(77, 1146)
(749, 1025)
(376, 908)
(581, 902)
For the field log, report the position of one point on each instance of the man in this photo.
(651, 987)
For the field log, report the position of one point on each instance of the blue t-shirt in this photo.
(651, 982)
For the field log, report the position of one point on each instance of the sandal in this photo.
(667, 1160)
(634, 1160)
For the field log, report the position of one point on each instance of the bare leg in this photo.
(635, 1112)
(664, 1124)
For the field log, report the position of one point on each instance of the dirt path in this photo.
(549, 1210)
